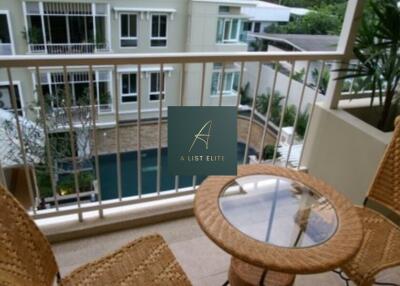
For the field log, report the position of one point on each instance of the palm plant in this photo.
(302, 122)
(262, 103)
(377, 50)
(323, 85)
(244, 92)
(258, 45)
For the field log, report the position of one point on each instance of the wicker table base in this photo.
(244, 274)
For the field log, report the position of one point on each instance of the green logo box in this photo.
(202, 140)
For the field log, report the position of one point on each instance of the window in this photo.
(155, 86)
(6, 47)
(228, 30)
(247, 26)
(158, 31)
(223, 9)
(5, 98)
(257, 27)
(128, 24)
(53, 89)
(231, 82)
(128, 90)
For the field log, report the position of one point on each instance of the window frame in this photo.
(122, 94)
(159, 25)
(10, 29)
(229, 40)
(121, 38)
(96, 87)
(158, 92)
(16, 83)
(228, 92)
(258, 25)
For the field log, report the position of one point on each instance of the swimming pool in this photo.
(108, 173)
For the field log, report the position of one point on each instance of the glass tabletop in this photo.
(278, 211)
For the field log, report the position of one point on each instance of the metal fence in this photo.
(89, 62)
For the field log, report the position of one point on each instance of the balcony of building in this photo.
(93, 182)
(66, 28)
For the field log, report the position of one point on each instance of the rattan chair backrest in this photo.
(385, 188)
(26, 257)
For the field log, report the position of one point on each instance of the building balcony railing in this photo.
(69, 48)
(6, 49)
(147, 179)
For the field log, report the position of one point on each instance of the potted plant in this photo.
(377, 48)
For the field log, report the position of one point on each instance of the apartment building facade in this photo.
(105, 27)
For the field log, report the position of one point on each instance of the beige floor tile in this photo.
(204, 262)
(200, 257)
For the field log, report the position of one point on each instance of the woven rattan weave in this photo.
(381, 244)
(326, 256)
(26, 257)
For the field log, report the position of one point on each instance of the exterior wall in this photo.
(192, 28)
(176, 26)
(201, 37)
(344, 151)
(266, 82)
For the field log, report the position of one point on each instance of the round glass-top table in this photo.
(278, 210)
(277, 222)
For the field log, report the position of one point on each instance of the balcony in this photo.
(68, 48)
(109, 173)
(66, 28)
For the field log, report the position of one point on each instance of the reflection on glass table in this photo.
(278, 211)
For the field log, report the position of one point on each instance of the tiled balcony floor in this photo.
(202, 260)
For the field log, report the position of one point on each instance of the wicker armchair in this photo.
(380, 248)
(26, 257)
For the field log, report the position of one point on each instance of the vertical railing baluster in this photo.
(267, 115)
(222, 84)
(183, 76)
(283, 110)
(253, 106)
(138, 134)
(117, 132)
(160, 97)
(311, 114)
(203, 75)
(351, 86)
(21, 140)
(182, 94)
(72, 141)
(95, 143)
(240, 84)
(3, 180)
(46, 136)
(298, 113)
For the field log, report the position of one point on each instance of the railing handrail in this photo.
(163, 58)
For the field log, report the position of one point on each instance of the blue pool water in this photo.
(108, 173)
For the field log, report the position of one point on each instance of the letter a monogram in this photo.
(203, 136)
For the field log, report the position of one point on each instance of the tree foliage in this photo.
(324, 19)
(59, 144)
(309, 3)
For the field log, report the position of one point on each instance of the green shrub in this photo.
(268, 152)
(66, 184)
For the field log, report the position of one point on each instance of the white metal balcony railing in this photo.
(68, 48)
(6, 49)
(79, 205)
